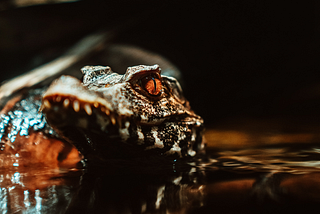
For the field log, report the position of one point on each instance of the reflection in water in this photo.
(272, 160)
(244, 133)
(35, 190)
(269, 178)
(139, 193)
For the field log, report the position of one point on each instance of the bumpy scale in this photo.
(111, 115)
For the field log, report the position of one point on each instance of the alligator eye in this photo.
(152, 85)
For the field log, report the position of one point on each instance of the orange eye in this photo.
(152, 85)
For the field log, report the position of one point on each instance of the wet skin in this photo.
(112, 115)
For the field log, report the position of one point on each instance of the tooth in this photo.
(127, 124)
(103, 109)
(66, 103)
(113, 121)
(107, 111)
(46, 104)
(76, 105)
(58, 99)
(96, 104)
(87, 108)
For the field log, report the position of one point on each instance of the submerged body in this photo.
(108, 115)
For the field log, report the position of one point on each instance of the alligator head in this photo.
(113, 115)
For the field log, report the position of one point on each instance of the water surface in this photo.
(252, 166)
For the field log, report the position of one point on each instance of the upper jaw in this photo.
(68, 93)
(68, 96)
(70, 88)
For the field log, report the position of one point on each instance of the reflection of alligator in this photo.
(127, 191)
(115, 189)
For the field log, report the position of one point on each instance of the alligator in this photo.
(107, 115)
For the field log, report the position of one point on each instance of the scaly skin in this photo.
(109, 115)
(25, 137)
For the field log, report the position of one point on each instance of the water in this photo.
(262, 167)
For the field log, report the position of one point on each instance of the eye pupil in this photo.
(152, 85)
(155, 85)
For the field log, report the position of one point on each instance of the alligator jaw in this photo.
(68, 96)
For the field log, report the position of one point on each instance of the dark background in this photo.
(239, 58)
